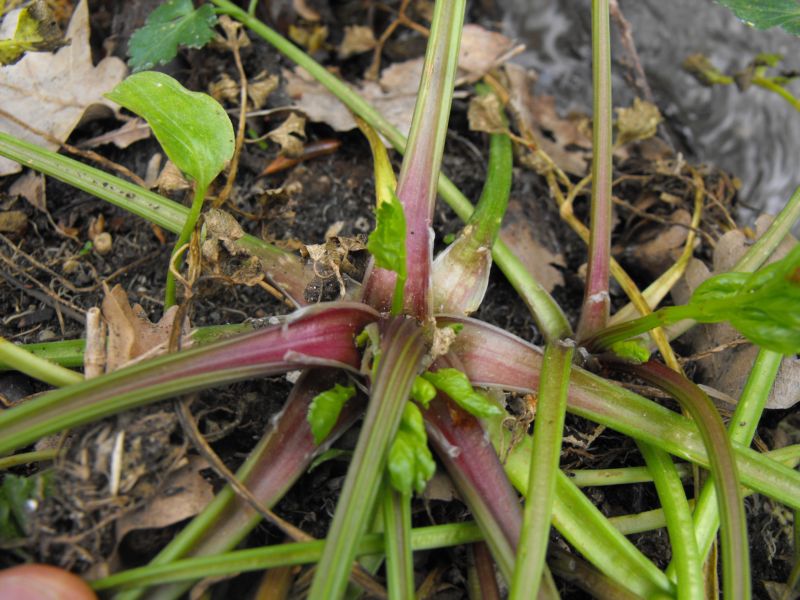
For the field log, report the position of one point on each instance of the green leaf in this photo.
(192, 127)
(411, 464)
(423, 391)
(764, 14)
(456, 384)
(387, 243)
(325, 408)
(174, 23)
(634, 351)
(763, 306)
(36, 31)
(16, 495)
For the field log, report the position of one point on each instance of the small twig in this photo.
(222, 197)
(46, 296)
(626, 36)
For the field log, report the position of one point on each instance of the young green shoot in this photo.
(461, 272)
(192, 128)
(174, 23)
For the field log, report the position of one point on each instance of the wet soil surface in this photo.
(50, 278)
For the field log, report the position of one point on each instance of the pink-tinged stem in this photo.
(416, 186)
(273, 466)
(594, 313)
(402, 351)
(470, 460)
(495, 358)
(485, 585)
(321, 335)
(735, 549)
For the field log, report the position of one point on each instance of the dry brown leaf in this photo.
(132, 131)
(31, 187)
(184, 494)
(13, 221)
(565, 140)
(656, 255)
(394, 96)
(223, 231)
(522, 239)
(484, 114)
(357, 39)
(171, 180)
(260, 87)
(224, 89)
(55, 92)
(290, 135)
(130, 333)
(638, 122)
(481, 51)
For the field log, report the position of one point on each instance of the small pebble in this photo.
(46, 335)
(103, 243)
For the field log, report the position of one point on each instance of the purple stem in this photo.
(274, 465)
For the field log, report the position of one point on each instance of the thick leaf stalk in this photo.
(279, 459)
(416, 187)
(321, 335)
(735, 549)
(497, 359)
(545, 460)
(463, 448)
(596, 301)
(402, 351)
(461, 272)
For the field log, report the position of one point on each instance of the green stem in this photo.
(38, 368)
(400, 362)
(579, 521)
(284, 269)
(760, 251)
(258, 559)
(397, 535)
(6, 462)
(619, 476)
(69, 353)
(183, 238)
(596, 300)
(735, 556)
(768, 84)
(545, 455)
(689, 565)
(549, 316)
(743, 426)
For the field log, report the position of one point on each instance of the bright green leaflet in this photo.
(410, 462)
(192, 127)
(764, 14)
(634, 351)
(15, 492)
(325, 409)
(456, 384)
(763, 306)
(174, 23)
(423, 391)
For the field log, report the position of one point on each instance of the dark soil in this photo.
(42, 302)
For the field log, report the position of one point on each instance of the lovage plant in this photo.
(407, 355)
